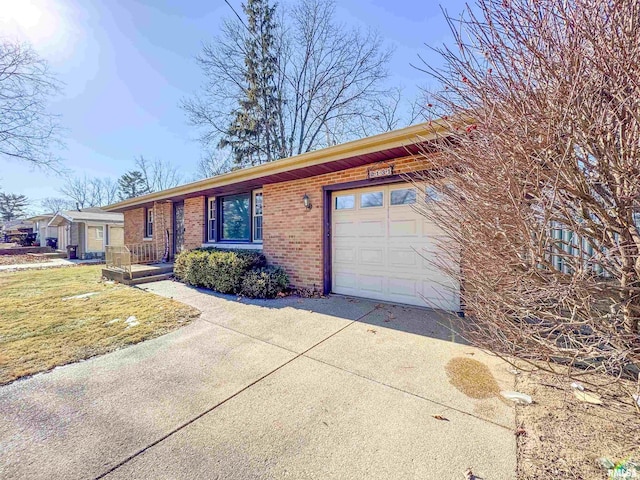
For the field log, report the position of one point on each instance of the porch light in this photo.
(306, 201)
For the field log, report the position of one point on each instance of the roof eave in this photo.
(397, 138)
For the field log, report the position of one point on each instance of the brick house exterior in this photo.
(291, 236)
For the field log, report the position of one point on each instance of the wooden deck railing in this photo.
(147, 252)
(122, 257)
(118, 257)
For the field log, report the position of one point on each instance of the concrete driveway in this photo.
(293, 388)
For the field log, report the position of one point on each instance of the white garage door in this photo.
(383, 249)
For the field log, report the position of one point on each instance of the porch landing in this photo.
(139, 273)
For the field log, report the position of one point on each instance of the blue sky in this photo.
(127, 63)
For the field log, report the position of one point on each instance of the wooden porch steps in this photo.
(149, 279)
(140, 273)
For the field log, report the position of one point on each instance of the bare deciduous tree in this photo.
(540, 178)
(157, 174)
(27, 128)
(215, 162)
(328, 76)
(55, 204)
(86, 192)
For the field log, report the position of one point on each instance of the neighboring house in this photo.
(340, 219)
(90, 229)
(42, 228)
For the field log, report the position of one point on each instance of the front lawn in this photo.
(41, 327)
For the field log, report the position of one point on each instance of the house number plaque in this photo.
(380, 172)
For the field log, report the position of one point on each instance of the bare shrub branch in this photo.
(540, 178)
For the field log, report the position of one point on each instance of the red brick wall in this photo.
(293, 234)
(194, 222)
(133, 225)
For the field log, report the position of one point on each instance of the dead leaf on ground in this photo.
(371, 330)
(440, 417)
(520, 432)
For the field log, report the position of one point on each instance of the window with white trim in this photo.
(211, 219)
(235, 221)
(148, 225)
(257, 215)
(99, 233)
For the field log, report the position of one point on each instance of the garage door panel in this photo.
(389, 253)
(404, 228)
(433, 262)
(440, 295)
(406, 287)
(372, 256)
(372, 228)
(345, 255)
(431, 229)
(403, 257)
(345, 280)
(345, 229)
(371, 283)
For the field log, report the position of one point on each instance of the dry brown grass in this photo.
(39, 330)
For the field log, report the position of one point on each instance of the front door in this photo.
(178, 227)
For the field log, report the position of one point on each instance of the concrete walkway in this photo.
(294, 388)
(53, 263)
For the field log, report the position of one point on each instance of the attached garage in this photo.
(382, 248)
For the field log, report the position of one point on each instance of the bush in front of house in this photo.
(266, 282)
(191, 267)
(226, 271)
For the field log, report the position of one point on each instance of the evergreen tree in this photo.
(253, 132)
(12, 206)
(132, 184)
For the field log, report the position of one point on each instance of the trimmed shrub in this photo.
(180, 265)
(266, 282)
(226, 269)
(219, 270)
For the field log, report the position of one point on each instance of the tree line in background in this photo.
(86, 192)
